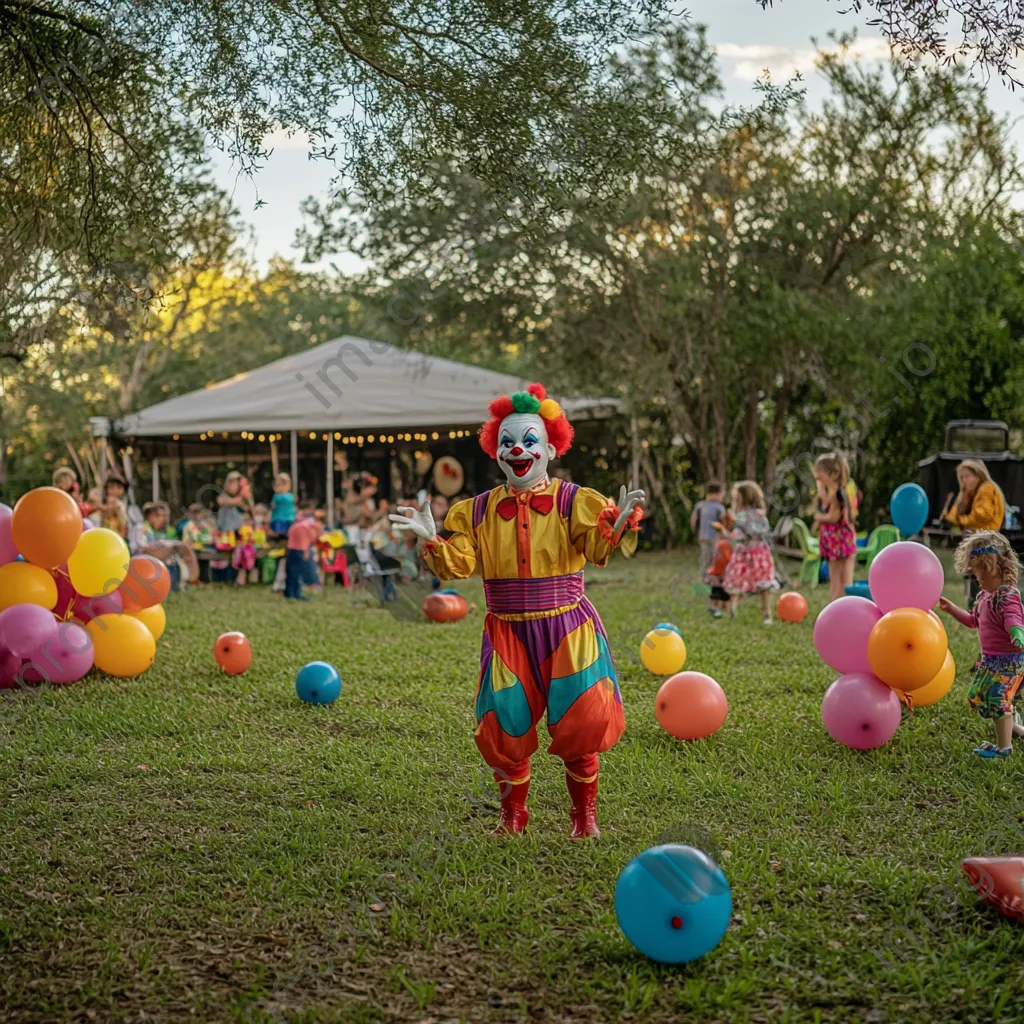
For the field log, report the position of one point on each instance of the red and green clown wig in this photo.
(533, 400)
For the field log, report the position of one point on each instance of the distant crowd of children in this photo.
(735, 543)
(240, 534)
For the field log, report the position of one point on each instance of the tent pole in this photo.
(274, 466)
(634, 433)
(156, 479)
(330, 481)
(295, 465)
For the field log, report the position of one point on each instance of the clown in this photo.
(544, 647)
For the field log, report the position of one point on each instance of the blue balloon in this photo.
(909, 508)
(318, 683)
(447, 590)
(673, 903)
(670, 627)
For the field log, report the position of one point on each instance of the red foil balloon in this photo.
(999, 881)
(444, 607)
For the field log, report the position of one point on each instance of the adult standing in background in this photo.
(980, 505)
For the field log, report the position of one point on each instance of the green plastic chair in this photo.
(810, 565)
(880, 537)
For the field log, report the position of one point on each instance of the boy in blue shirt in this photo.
(702, 521)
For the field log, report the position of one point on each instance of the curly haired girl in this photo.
(999, 619)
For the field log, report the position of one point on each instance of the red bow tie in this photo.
(542, 503)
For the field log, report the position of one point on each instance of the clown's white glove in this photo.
(628, 500)
(420, 521)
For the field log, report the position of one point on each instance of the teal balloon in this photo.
(318, 683)
(670, 627)
(909, 509)
(673, 903)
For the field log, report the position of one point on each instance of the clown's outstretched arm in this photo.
(452, 559)
(599, 526)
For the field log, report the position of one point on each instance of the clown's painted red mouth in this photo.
(520, 466)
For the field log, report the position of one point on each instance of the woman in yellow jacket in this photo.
(980, 505)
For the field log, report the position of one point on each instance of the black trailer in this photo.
(987, 441)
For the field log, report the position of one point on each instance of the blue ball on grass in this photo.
(673, 903)
(670, 627)
(318, 683)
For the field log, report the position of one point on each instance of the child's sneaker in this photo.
(767, 621)
(990, 750)
(716, 613)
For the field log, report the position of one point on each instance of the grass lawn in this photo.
(190, 846)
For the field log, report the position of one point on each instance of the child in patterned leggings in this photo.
(999, 619)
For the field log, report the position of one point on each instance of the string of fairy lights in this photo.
(345, 439)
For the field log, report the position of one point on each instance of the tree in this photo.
(991, 33)
(736, 302)
(211, 318)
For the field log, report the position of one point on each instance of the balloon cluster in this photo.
(71, 596)
(888, 650)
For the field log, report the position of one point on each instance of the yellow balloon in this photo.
(99, 562)
(663, 652)
(153, 618)
(933, 692)
(123, 646)
(24, 583)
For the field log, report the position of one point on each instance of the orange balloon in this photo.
(233, 653)
(148, 583)
(934, 691)
(45, 526)
(906, 648)
(690, 706)
(791, 607)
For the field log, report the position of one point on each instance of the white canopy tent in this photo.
(349, 384)
(345, 384)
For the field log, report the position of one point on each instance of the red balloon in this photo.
(148, 583)
(444, 607)
(233, 653)
(999, 881)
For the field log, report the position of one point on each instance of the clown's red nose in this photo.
(516, 451)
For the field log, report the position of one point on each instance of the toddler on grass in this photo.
(999, 619)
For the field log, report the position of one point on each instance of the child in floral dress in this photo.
(751, 569)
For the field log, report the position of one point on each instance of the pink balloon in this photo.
(65, 659)
(860, 711)
(24, 628)
(906, 575)
(8, 552)
(841, 633)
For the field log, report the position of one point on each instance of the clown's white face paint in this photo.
(523, 450)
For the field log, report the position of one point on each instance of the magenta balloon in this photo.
(906, 575)
(87, 608)
(9, 665)
(841, 633)
(65, 659)
(8, 552)
(860, 711)
(24, 628)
